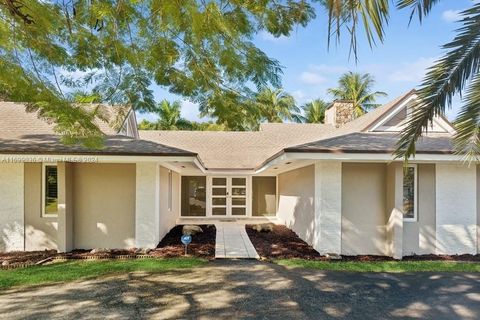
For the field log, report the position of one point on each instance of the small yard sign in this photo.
(186, 240)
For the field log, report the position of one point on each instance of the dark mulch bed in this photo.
(283, 243)
(203, 244)
(25, 257)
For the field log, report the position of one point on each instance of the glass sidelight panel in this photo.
(410, 193)
(239, 191)
(50, 190)
(219, 181)
(239, 182)
(220, 211)
(194, 202)
(239, 201)
(219, 191)
(264, 195)
(238, 211)
(219, 201)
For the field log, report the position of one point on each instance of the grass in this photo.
(75, 270)
(384, 266)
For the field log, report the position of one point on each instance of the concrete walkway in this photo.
(233, 242)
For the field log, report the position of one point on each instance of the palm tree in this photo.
(275, 105)
(170, 117)
(147, 125)
(357, 88)
(456, 73)
(315, 111)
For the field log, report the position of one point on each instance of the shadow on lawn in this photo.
(250, 289)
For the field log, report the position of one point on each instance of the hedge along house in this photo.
(335, 184)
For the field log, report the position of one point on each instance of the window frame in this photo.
(181, 195)
(415, 194)
(44, 191)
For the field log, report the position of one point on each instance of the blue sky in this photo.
(398, 64)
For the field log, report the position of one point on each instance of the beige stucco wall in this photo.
(393, 210)
(104, 205)
(40, 232)
(363, 209)
(12, 214)
(419, 236)
(296, 190)
(168, 217)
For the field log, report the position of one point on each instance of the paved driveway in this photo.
(251, 290)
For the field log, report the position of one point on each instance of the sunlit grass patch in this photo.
(81, 269)
(384, 266)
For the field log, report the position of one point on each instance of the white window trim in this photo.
(44, 214)
(415, 194)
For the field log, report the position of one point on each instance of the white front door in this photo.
(229, 196)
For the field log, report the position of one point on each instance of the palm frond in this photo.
(420, 7)
(446, 78)
(372, 14)
(467, 136)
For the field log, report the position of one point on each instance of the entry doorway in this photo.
(229, 196)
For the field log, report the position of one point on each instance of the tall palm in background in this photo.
(275, 105)
(170, 116)
(314, 111)
(456, 73)
(357, 88)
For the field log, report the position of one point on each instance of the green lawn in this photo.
(384, 266)
(74, 270)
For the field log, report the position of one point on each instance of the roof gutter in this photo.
(91, 158)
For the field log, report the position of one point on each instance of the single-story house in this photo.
(336, 184)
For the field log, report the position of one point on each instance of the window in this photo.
(194, 203)
(50, 190)
(264, 196)
(410, 193)
(170, 190)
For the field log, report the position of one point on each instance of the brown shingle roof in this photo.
(113, 145)
(240, 150)
(23, 132)
(15, 121)
(363, 142)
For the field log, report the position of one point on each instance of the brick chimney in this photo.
(339, 113)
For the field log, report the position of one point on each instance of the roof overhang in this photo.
(283, 157)
(91, 158)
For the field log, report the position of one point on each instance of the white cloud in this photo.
(451, 15)
(411, 71)
(300, 96)
(266, 36)
(311, 78)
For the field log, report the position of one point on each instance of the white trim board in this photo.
(379, 126)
